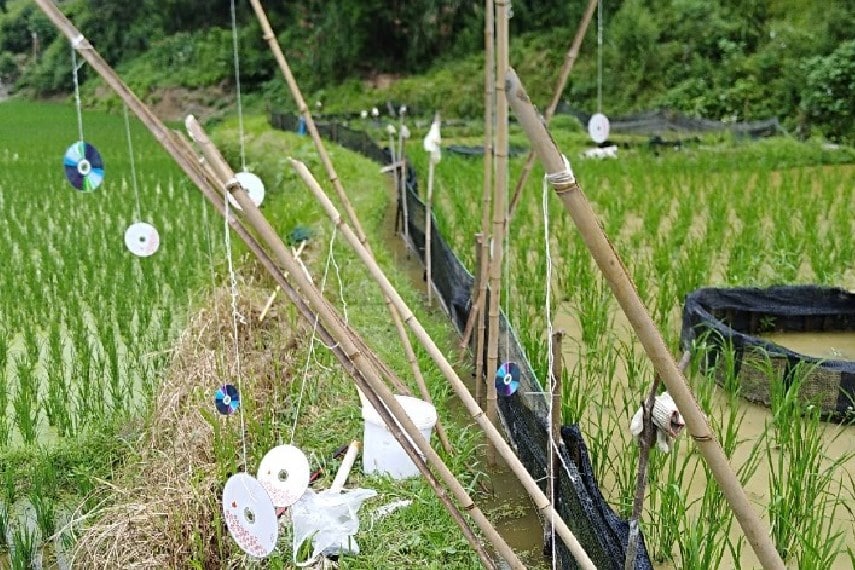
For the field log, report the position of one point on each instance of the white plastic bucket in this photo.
(381, 453)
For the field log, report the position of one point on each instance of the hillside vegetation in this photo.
(712, 58)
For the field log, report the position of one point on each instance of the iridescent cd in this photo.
(227, 399)
(253, 186)
(598, 128)
(84, 168)
(250, 515)
(142, 239)
(284, 473)
(508, 378)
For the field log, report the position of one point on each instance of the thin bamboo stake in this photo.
(207, 185)
(563, 75)
(428, 200)
(555, 388)
(270, 37)
(540, 500)
(648, 434)
(357, 356)
(756, 531)
(499, 213)
(487, 195)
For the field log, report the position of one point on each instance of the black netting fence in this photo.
(524, 415)
(734, 319)
(665, 121)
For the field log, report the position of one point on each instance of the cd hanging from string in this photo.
(142, 239)
(84, 168)
(508, 378)
(598, 128)
(227, 399)
(254, 188)
(250, 515)
(284, 473)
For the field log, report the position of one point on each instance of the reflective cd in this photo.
(253, 186)
(142, 239)
(84, 168)
(598, 128)
(508, 378)
(250, 515)
(227, 399)
(284, 473)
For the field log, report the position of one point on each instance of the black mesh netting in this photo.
(725, 319)
(663, 121)
(524, 415)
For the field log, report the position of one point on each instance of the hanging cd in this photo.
(284, 473)
(253, 186)
(508, 378)
(142, 239)
(598, 128)
(250, 516)
(227, 399)
(84, 168)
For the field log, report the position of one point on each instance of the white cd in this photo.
(142, 239)
(598, 128)
(254, 188)
(250, 515)
(284, 472)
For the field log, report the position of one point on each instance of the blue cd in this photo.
(227, 399)
(508, 378)
(84, 168)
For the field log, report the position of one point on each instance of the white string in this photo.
(133, 165)
(550, 363)
(74, 69)
(600, 56)
(237, 86)
(330, 258)
(235, 316)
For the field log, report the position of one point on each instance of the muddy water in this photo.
(501, 496)
(836, 346)
(838, 441)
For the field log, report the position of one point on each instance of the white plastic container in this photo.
(381, 453)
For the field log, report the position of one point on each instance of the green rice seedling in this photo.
(25, 403)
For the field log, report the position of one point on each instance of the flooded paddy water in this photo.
(608, 400)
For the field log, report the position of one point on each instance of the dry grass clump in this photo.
(162, 510)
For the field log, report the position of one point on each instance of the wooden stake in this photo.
(428, 199)
(499, 214)
(567, 189)
(555, 392)
(540, 500)
(270, 37)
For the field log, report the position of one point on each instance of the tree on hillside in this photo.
(828, 91)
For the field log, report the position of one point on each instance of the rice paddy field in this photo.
(85, 327)
(721, 213)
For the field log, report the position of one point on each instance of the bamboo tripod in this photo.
(272, 42)
(577, 205)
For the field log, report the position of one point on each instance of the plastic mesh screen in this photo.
(524, 415)
(731, 318)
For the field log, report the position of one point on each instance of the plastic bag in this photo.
(330, 519)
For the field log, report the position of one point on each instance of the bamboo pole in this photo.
(556, 373)
(487, 195)
(540, 500)
(428, 200)
(270, 37)
(343, 336)
(616, 274)
(563, 75)
(499, 213)
(207, 187)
